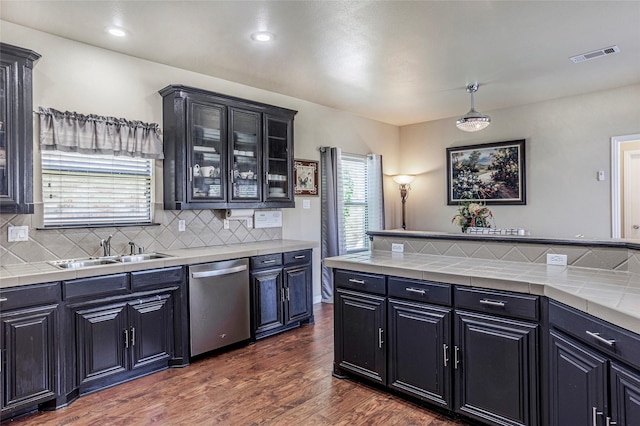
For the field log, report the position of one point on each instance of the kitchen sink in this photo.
(106, 260)
(140, 257)
(82, 263)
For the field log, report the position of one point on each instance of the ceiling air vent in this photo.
(595, 54)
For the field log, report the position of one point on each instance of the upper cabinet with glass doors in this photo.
(225, 152)
(16, 129)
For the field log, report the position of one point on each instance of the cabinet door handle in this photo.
(126, 338)
(415, 290)
(3, 299)
(133, 336)
(283, 298)
(601, 339)
(497, 303)
(380, 342)
(353, 280)
(456, 361)
(302, 256)
(288, 295)
(611, 422)
(190, 174)
(595, 414)
(444, 352)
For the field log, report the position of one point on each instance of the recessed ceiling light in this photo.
(116, 31)
(263, 36)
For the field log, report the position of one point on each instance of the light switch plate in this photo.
(306, 204)
(556, 259)
(18, 233)
(182, 226)
(397, 248)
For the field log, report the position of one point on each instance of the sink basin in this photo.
(82, 263)
(141, 257)
(108, 260)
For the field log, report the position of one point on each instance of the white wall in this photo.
(567, 141)
(78, 77)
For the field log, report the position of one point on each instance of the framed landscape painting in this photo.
(493, 173)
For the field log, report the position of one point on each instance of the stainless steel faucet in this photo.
(132, 248)
(106, 245)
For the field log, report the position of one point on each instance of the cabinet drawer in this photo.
(359, 281)
(598, 333)
(422, 291)
(29, 295)
(498, 303)
(157, 277)
(266, 261)
(110, 284)
(297, 257)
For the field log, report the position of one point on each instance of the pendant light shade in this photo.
(473, 121)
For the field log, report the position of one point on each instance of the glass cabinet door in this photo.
(245, 151)
(4, 175)
(208, 166)
(279, 185)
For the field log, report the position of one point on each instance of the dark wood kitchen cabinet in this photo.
(419, 324)
(122, 338)
(16, 129)
(281, 286)
(225, 152)
(594, 376)
(360, 324)
(124, 326)
(496, 356)
(28, 347)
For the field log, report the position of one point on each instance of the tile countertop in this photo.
(613, 296)
(40, 272)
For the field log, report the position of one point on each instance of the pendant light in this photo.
(473, 121)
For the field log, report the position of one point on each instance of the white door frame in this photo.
(616, 208)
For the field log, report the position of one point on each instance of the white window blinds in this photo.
(355, 192)
(99, 190)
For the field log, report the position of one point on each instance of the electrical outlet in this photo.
(397, 248)
(182, 226)
(18, 233)
(249, 222)
(225, 223)
(556, 259)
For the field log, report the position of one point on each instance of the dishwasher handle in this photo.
(218, 272)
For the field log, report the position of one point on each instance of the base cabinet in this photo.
(360, 324)
(419, 342)
(594, 376)
(112, 340)
(29, 333)
(28, 356)
(496, 369)
(281, 286)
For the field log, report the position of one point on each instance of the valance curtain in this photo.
(93, 134)
(332, 215)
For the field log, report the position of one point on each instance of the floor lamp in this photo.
(403, 182)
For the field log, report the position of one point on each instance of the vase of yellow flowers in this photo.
(472, 214)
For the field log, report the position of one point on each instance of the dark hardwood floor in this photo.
(281, 380)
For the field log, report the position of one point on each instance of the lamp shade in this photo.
(403, 179)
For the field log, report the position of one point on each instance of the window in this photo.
(95, 190)
(355, 194)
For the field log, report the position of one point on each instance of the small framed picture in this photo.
(305, 177)
(493, 173)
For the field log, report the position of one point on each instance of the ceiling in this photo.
(398, 62)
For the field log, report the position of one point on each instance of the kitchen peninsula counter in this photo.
(40, 272)
(605, 292)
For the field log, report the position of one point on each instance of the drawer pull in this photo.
(601, 339)
(415, 290)
(497, 303)
(353, 280)
(266, 262)
(302, 256)
(3, 299)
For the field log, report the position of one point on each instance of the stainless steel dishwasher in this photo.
(218, 304)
